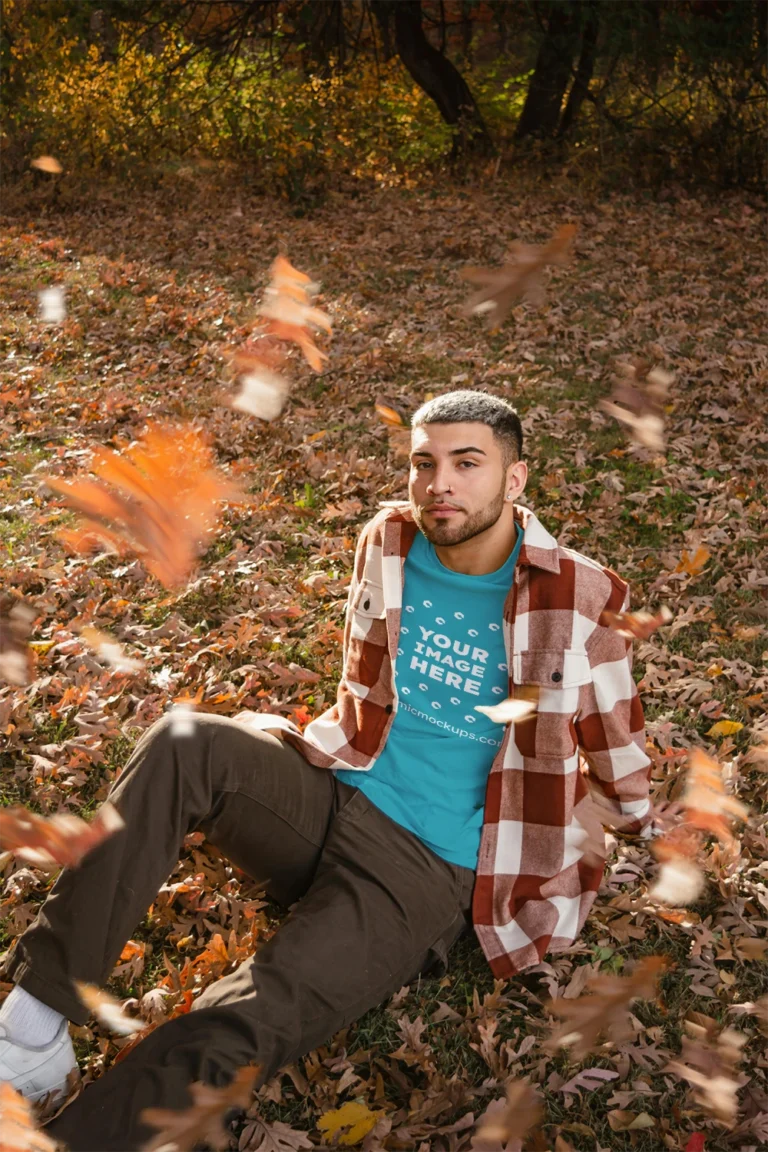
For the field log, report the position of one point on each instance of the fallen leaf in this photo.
(725, 728)
(693, 565)
(349, 1124)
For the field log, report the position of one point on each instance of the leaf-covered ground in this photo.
(157, 286)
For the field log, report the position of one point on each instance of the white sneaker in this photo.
(34, 1072)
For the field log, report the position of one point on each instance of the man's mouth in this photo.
(442, 511)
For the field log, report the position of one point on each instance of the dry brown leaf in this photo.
(17, 662)
(605, 1011)
(507, 1120)
(18, 1130)
(520, 278)
(55, 841)
(203, 1121)
(637, 401)
(165, 503)
(107, 1010)
(708, 1062)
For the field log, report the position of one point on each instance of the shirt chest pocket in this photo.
(367, 635)
(555, 677)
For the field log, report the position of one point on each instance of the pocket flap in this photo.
(551, 667)
(369, 601)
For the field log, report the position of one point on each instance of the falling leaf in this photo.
(398, 431)
(18, 1131)
(708, 1062)
(16, 620)
(509, 1119)
(109, 650)
(637, 402)
(165, 503)
(203, 1122)
(349, 1124)
(107, 1010)
(289, 313)
(520, 278)
(605, 1010)
(636, 625)
(47, 164)
(52, 307)
(55, 841)
(679, 882)
(707, 805)
(511, 711)
(263, 394)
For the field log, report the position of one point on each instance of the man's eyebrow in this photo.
(453, 452)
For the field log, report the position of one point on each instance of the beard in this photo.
(446, 533)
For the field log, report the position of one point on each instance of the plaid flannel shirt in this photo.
(533, 887)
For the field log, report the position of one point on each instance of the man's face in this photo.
(457, 481)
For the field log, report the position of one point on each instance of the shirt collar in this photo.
(539, 550)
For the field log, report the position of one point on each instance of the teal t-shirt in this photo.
(432, 772)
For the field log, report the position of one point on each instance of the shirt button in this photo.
(367, 605)
(388, 708)
(557, 677)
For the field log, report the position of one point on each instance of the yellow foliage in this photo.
(357, 1118)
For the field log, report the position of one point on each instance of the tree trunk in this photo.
(383, 16)
(436, 75)
(580, 88)
(541, 112)
(323, 24)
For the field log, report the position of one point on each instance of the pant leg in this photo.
(255, 797)
(381, 908)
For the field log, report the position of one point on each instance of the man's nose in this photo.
(438, 483)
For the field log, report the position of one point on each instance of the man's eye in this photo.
(471, 463)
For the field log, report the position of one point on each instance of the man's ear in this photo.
(517, 477)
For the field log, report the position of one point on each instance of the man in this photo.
(403, 814)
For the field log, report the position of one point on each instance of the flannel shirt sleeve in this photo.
(611, 732)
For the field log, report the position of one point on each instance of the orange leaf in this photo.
(693, 565)
(18, 1131)
(56, 841)
(165, 502)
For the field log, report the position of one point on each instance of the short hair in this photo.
(467, 406)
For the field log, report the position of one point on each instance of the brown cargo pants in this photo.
(376, 907)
